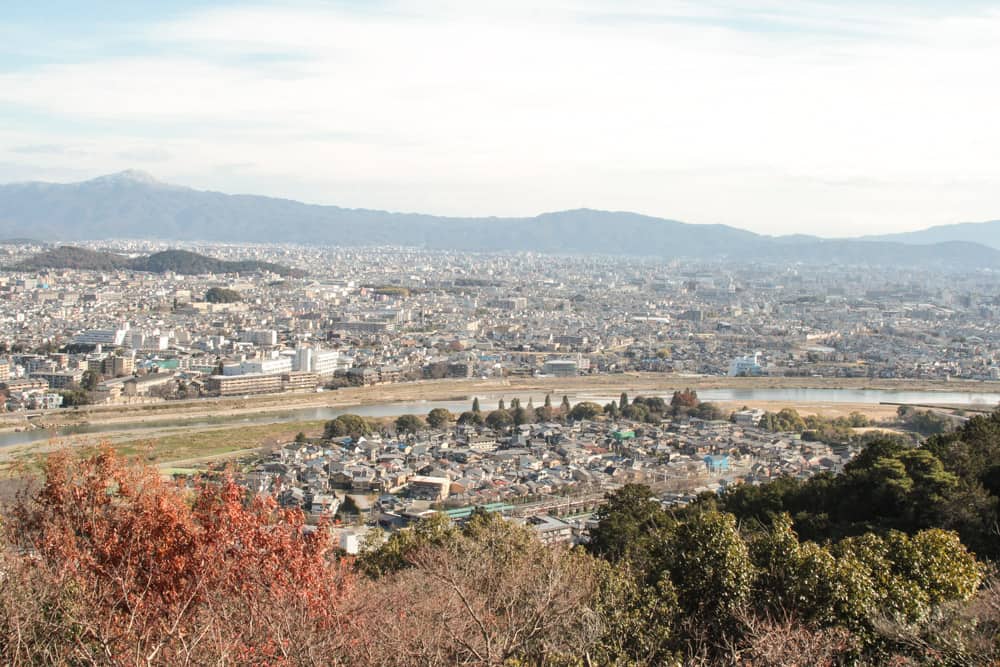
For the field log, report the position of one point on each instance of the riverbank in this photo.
(180, 433)
(457, 390)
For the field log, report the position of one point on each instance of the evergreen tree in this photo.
(565, 404)
(475, 404)
(548, 400)
(90, 380)
(501, 406)
(623, 401)
(521, 416)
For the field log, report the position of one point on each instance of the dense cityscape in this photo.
(372, 316)
(381, 315)
(612, 333)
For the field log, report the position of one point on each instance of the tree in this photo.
(499, 420)
(491, 594)
(475, 404)
(637, 619)
(623, 401)
(408, 424)
(118, 566)
(806, 580)
(90, 380)
(500, 405)
(222, 295)
(710, 567)
(911, 575)
(300, 437)
(684, 399)
(629, 523)
(963, 633)
(545, 414)
(565, 406)
(439, 417)
(348, 425)
(652, 403)
(522, 416)
(548, 400)
(380, 558)
(585, 410)
(74, 397)
(707, 411)
(471, 418)
(636, 412)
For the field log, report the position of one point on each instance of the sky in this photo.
(834, 118)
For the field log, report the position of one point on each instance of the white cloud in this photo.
(832, 122)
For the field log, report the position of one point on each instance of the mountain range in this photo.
(986, 233)
(132, 204)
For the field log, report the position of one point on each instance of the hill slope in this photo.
(178, 261)
(134, 205)
(986, 233)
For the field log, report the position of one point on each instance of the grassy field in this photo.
(193, 446)
(178, 449)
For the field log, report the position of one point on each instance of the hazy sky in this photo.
(834, 118)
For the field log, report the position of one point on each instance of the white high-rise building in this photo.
(317, 360)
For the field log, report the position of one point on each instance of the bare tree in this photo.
(491, 595)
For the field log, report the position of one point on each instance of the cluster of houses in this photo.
(532, 471)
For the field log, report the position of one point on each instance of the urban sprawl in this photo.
(381, 315)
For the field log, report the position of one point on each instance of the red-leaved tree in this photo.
(112, 564)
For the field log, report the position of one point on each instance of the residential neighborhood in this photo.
(551, 475)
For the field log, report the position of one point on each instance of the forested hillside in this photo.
(178, 261)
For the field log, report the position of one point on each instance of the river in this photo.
(749, 396)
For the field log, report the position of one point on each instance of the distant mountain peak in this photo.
(128, 176)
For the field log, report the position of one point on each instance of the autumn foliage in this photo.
(114, 565)
(107, 563)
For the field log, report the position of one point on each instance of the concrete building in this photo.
(260, 337)
(111, 365)
(108, 337)
(143, 386)
(297, 381)
(561, 367)
(748, 417)
(236, 385)
(550, 529)
(745, 366)
(267, 366)
(429, 488)
(59, 379)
